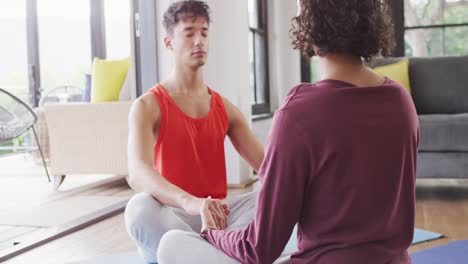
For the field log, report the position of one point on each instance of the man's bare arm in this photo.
(242, 137)
(143, 129)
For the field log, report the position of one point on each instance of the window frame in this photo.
(401, 28)
(262, 31)
(397, 8)
(98, 43)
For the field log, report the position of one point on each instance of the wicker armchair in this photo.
(16, 117)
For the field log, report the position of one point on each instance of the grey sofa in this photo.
(439, 88)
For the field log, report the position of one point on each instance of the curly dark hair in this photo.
(362, 28)
(182, 10)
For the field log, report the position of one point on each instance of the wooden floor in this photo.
(442, 206)
(24, 188)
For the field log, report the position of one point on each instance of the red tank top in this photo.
(189, 152)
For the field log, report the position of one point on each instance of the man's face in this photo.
(189, 42)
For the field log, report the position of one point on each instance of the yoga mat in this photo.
(291, 246)
(133, 257)
(452, 253)
(424, 235)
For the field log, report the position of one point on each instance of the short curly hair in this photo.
(185, 9)
(362, 28)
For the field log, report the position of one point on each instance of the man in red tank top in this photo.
(176, 142)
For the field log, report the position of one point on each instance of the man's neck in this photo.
(187, 81)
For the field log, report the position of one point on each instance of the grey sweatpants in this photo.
(180, 247)
(147, 220)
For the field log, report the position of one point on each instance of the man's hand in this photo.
(214, 214)
(192, 205)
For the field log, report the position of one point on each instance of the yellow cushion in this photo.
(396, 71)
(107, 79)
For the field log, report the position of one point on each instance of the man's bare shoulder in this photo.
(145, 107)
(227, 104)
(232, 111)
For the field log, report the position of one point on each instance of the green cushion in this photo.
(107, 79)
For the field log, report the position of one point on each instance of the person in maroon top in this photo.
(340, 159)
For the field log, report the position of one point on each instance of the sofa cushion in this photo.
(107, 79)
(439, 85)
(397, 71)
(440, 133)
(442, 165)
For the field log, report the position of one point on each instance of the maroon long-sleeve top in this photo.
(340, 163)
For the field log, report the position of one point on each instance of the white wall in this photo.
(261, 129)
(227, 69)
(285, 65)
(165, 60)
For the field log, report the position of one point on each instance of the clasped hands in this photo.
(214, 214)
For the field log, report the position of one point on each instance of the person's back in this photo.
(361, 133)
(358, 204)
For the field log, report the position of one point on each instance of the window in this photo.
(436, 27)
(51, 42)
(14, 62)
(117, 21)
(258, 53)
(423, 28)
(64, 42)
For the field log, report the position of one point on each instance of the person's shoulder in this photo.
(295, 95)
(232, 112)
(299, 88)
(394, 84)
(146, 101)
(145, 106)
(220, 98)
(226, 102)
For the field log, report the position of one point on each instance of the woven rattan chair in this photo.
(16, 117)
